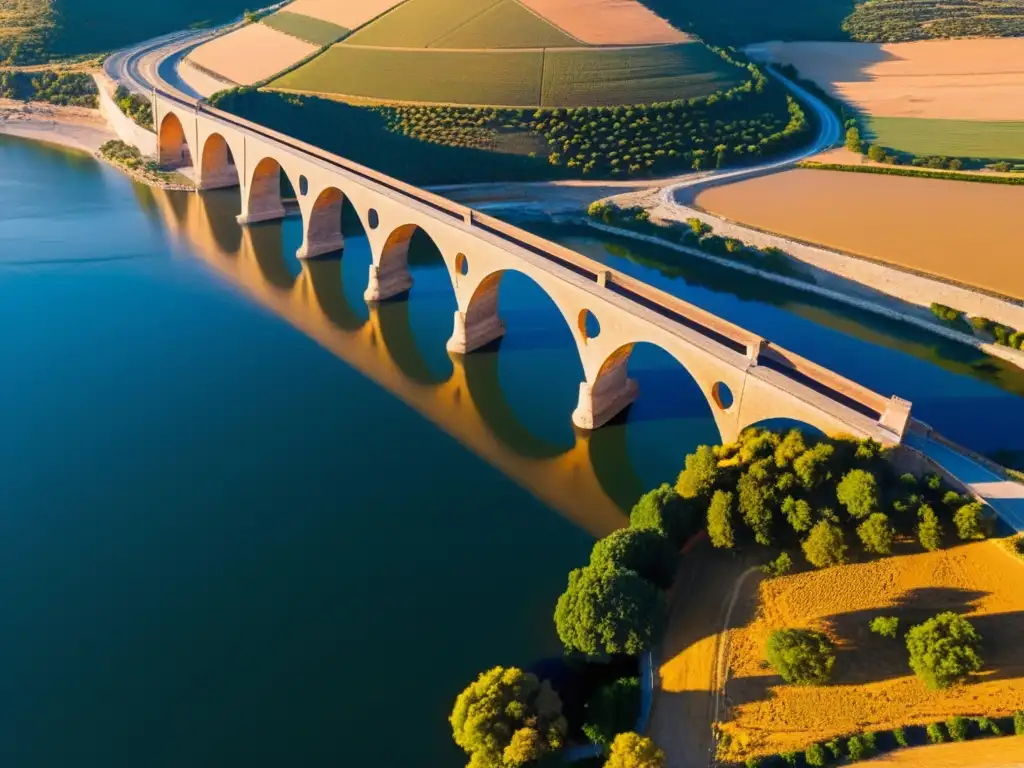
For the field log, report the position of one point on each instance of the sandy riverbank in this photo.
(73, 127)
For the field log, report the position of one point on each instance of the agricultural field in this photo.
(607, 22)
(315, 31)
(989, 753)
(962, 232)
(872, 687)
(420, 23)
(505, 78)
(506, 24)
(585, 77)
(902, 20)
(227, 56)
(350, 15)
(962, 98)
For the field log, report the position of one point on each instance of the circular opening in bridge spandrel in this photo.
(589, 326)
(722, 395)
(373, 219)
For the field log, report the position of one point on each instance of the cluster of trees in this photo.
(891, 21)
(821, 495)
(134, 106)
(695, 233)
(76, 89)
(738, 125)
(1003, 335)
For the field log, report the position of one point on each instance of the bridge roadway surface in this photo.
(981, 476)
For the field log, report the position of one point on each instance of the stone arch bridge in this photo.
(745, 378)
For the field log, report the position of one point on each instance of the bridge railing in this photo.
(793, 366)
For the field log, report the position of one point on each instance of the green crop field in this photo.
(418, 23)
(645, 75)
(503, 78)
(506, 25)
(305, 28)
(953, 138)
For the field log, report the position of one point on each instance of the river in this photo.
(252, 521)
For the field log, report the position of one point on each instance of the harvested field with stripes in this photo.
(232, 56)
(315, 31)
(607, 22)
(350, 14)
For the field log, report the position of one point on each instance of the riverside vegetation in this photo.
(67, 89)
(767, 489)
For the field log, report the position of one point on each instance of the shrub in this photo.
(780, 566)
(667, 513)
(929, 530)
(612, 710)
(981, 323)
(900, 735)
(876, 534)
(856, 748)
(858, 492)
(790, 757)
(607, 611)
(944, 650)
(835, 747)
(814, 755)
(935, 733)
(957, 727)
(825, 545)
(508, 717)
(801, 656)
(698, 478)
(644, 550)
(987, 725)
(1018, 722)
(970, 521)
(720, 526)
(946, 314)
(631, 750)
(886, 626)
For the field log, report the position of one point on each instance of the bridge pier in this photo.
(387, 282)
(479, 325)
(602, 401)
(222, 178)
(323, 233)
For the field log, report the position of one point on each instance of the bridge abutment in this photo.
(609, 396)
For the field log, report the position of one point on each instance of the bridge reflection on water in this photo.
(586, 476)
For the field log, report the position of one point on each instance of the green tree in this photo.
(853, 141)
(798, 513)
(1018, 722)
(791, 447)
(613, 709)
(876, 153)
(755, 501)
(507, 718)
(698, 478)
(644, 550)
(631, 750)
(858, 492)
(877, 534)
(944, 650)
(929, 530)
(814, 755)
(720, 526)
(668, 513)
(825, 545)
(886, 626)
(801, 656)
(608, 611)
(970, 521)
(812, 467)
(957, 727)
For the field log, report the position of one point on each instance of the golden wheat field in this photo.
(350, 15)
(959, 231)
(232, 55)
(987, 753)
(607, 22)
(974, 79)
(872, 687)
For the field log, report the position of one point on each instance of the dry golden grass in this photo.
(963, 232)
(987, 753)
(607, 22)
(974, 79)
(252, 53)
(872, 686)
(344, 13)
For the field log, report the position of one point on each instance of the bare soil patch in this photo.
(873, 687)
(607, 22)
(987, 753)
(347, 14)
(967, 233)
(252, 53)
(974, 79)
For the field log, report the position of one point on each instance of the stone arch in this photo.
(174, 149)
(217, 166)
(323, 227)
(612, 390)
(389, 274)
(264, 201)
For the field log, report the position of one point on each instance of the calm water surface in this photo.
(251, 520)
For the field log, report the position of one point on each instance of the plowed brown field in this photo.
(873, 687)
(607, 22)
